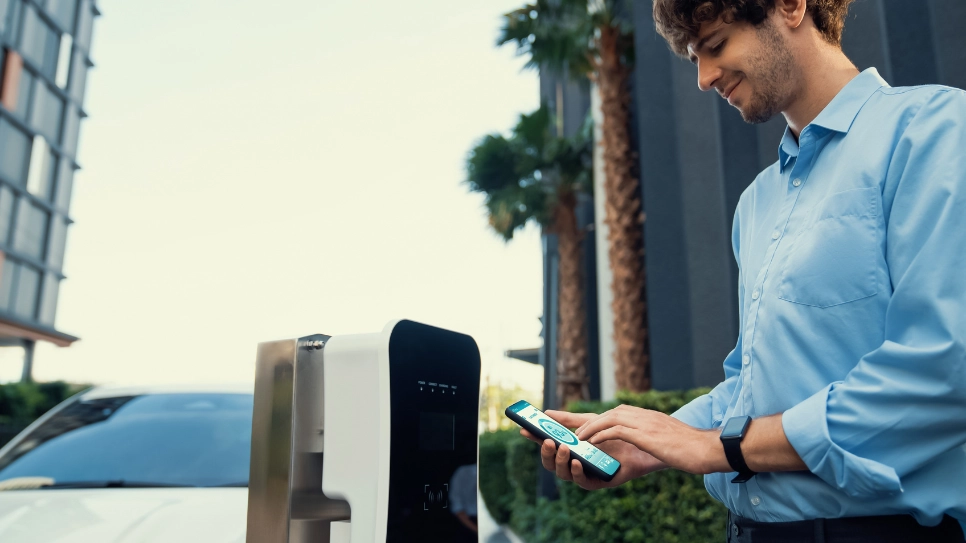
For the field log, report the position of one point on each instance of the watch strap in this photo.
(732, 449)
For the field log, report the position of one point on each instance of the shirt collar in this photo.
(839, 114)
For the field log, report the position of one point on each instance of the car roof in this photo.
(112, 391)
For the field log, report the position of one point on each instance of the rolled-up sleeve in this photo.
(904, 404)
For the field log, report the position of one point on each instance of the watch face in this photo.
(733, 427)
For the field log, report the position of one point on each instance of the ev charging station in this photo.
(355, 437)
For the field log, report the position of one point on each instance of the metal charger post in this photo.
(359, 438)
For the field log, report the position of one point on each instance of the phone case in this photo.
(539, 432)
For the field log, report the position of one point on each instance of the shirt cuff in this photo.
(697, 412)
(806, 427)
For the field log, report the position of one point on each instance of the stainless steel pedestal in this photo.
(285, 499)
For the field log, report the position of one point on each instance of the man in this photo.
(844, 400)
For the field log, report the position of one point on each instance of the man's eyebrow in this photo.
(701, 43)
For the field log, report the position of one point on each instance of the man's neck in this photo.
(823, 76)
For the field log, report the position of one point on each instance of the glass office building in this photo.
(43, 70)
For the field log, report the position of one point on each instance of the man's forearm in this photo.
(766, 448)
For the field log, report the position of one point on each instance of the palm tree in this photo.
(593, 40)
(535, 176)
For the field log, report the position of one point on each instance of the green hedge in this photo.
(667, 507)
(23, 403)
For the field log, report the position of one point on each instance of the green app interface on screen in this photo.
(557, 432)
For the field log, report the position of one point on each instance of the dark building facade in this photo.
(44, 59)
(697, 156)
(569, 99)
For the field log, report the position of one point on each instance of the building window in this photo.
(85, 24)
(58, 242)
(39, 43)
(63, 60)
(7, 199)
(4, 10)
(65, 182)
(43, 167)
(11, 72)
(31, 234)
(28, 287)
(78, 76)
(48, 300)
(22, 98)
(71, 131)
(62, 12)
(14, 149)
(9, 18)
(7, 275)
(48, 112)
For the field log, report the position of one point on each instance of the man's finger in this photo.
(563, 463)
(601, 423)
(577, 472)
(570, 420)
(548, 455)
(530, 436)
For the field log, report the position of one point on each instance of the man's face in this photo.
(753, 68)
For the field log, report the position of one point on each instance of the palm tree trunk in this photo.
(624, 218)
(572, 382)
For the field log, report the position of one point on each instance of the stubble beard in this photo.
(774, 68)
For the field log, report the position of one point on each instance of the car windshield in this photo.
(149, 440)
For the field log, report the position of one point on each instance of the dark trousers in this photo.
(884, 529)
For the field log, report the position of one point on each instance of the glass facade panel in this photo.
(39, 43)
(85, 24)
(4, 24)
(62, 12)
(48, 112)
(7, 198)
(7, 276)
(65, 183)
(43, 168)
(71, 131)
(13, 21)
(48, 300)
(78, 76)
(14, 152)
(24, 94)
(31, 234)
(63, 60)
(28, 287)
(58, 242)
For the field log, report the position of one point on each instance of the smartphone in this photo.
(595, 461)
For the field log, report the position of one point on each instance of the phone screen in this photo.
(558, 433)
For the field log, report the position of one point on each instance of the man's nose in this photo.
(708, 75)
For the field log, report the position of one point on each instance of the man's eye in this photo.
(717, 48)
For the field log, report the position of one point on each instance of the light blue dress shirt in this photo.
(852, 289)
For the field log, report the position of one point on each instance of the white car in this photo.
(126, 465)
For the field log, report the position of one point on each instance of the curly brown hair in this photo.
(678, 21)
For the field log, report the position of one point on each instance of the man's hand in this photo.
(661, 436)
(634, 461)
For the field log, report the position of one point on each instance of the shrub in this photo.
(667, 507)
(23, 403)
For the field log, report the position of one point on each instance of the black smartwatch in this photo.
(731, 435)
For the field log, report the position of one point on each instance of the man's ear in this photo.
(791, 12)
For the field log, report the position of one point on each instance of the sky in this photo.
(256, 171)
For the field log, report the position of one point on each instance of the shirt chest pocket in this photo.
(833, 260)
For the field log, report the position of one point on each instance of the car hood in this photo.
(124, 515)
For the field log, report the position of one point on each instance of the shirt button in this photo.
(746, 359)
(797, 182)
(776, 234)
(755, 294)
(755, 500)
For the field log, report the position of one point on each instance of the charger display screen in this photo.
(562, 435)
(437, 431)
